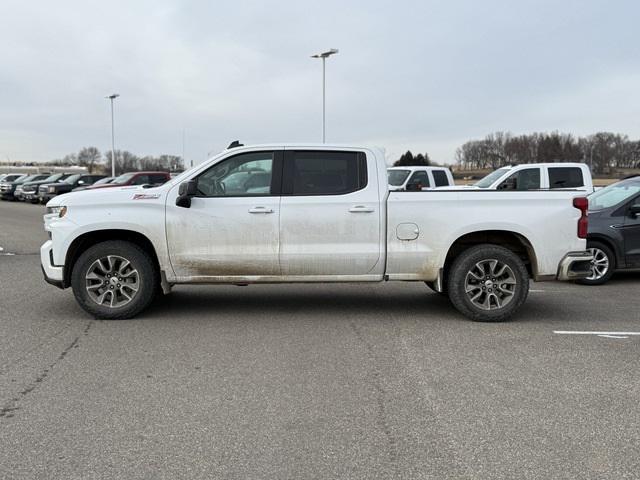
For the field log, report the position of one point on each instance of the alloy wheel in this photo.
(599, 264)
(112, 281)
(490, 284)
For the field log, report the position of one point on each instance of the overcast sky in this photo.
(419, 75)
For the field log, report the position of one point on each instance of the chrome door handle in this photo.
(361, 209)
(260, 210)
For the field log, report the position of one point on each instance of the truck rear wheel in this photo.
(114, 280)
(488, 283)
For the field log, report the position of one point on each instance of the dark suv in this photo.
(29, 191)
(8, 189)
(135, 178)
(47, 191)
(614, 229)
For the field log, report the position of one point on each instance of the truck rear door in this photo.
(330, 218)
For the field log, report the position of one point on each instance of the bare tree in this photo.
(603, 151)
(89, 157)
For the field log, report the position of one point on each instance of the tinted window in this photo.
(141, 180)
(244, 175)
(419, 178)
(11, 178)
(37, 178)
(325, 173)
(565, 177)
(440, 178)
(527, 179)
(157, 179)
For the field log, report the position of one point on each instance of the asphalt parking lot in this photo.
(313, 381)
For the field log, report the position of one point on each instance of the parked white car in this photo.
(418, 178)
(328, 216)
(538, 176)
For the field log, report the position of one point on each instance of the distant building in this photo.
(32, 169)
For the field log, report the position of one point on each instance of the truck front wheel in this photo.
(114, 280)
(488, 283)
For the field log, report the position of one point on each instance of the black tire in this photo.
(146, 276)
(597, 279)
(511, 295)
(432, 286)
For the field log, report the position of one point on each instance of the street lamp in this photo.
(112, 97)
(324, 56)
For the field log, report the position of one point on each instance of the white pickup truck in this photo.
(538, 176)
(419, 178)
(309, 213)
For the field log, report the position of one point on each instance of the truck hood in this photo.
(106, 185)
(109, 196)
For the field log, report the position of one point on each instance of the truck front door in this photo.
(232, 226)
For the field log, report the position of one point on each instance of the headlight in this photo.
(60, 211)
(52, 189)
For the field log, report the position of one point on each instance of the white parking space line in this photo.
(2, 252)
(598, 334)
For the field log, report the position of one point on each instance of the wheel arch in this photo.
(513, 241)
(88, 239)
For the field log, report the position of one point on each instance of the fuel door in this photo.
(407, 231)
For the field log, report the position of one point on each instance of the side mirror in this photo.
(186, 190)
(414, 187)
(634, 209)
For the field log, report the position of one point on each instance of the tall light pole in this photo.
(324, 56)
(112, 97)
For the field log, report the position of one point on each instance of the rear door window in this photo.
(565, 177)
(324, 172)
(440, 178)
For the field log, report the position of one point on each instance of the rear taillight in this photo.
(582, 204)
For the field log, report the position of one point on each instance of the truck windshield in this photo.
(397, 177)
(613, 195)
(72, 179)
(54, 178)
(26, 179)
(487, 181)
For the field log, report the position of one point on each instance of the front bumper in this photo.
(44, 197)
(53, 274)
(575, 266)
